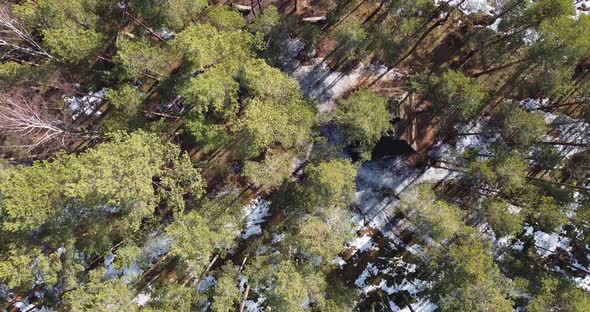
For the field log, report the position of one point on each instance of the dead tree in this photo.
(16, 39)
(33, 125)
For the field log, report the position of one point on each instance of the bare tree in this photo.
(33, 124)
(17, 39)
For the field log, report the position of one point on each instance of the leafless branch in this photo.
(15, 37)
(34, 125)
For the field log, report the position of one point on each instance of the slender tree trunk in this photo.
(564, 143)
(244, 298)
(413, 48)
(497, 68)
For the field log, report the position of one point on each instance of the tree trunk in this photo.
(243, 303)
(494, 69)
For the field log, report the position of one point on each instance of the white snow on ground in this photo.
(166, 33)
(339, 261)
(489, 6)
(549, 243)
(156, 245)
(254, 306)
(361, 244)
(582, 6)
(423, 305)
(87, 104)
(320, 83)
(206, 283)
(472, 6)
(23, 306)
(256, 213)
(583, 282)
(566, 129)
(370, 270)
(142, 299)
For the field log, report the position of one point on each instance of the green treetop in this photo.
(365, 118)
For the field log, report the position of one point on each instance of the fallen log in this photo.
(243, 8)
(314, 19)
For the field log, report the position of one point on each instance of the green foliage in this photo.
(175, 297)
(543, 10)
(284, 287)
(203, 46)
(322, 238)
(432, 217)
(501, 219)
(192, 240)
(353, 38)
(272, 171)
(330, 184)
(126, 256)
(140, 58)
(78, 192)
(267, 21)
(127, 103)
(453, 95)
(224, 18)
(506, 171)
(470, 280)
(520, 128)
(214, 91)
(563, 44)
(100, 296)
(15, 270)
(174, 14)
(545, 211)
(365, 118)
(226, 294)
(74, 45)
(56, 14)
(16, 74)
(267, 123)
(559, 295)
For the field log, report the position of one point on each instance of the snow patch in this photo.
(86, 105)
(256, 213)
(549, 243)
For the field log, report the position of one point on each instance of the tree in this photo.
(520, 128)
(545, 211)
(453, 95)
(140, 59)
(266, 22)
(74, 45)
(203, 46)
(559, 294)
(127, 103)
(353, 38)
(175, 14)
(175, 297)
(320, 238)
(432, 217)
(365, 118)
(330, 184)
(284, 287)
(105, 192)
(100, 296)
(192, 241)
(224, 18)
(501, 219)
(276, 167)
(469, 280)
(215, 92)
(226, 294)
(267, 123)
